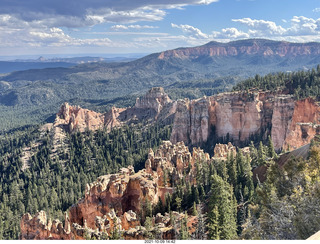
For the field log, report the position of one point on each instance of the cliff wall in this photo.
(251, 47)
(241, 115)
(238, 116)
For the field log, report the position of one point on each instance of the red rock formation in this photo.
(155, 99)
(222, 150)
(75, 118)
(305, 123)
(246, 47)
(115, 201)
(240, 115)
(234, 115)
(154, 104)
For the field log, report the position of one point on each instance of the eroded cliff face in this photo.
(115, 201)
(239, 116)
(236, 115)
(75, 118)
(155, 99)
(155, 105)
(304, 124)
(246, 47)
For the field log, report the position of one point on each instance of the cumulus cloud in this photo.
(41, 22)
(88, 12)
(191, 31)
(301, 29)
(316, 10)
(18, 33)
(301, 25)
(261, 27)
(231, 33)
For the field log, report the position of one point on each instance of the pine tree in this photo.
(184, 233)
(261, 154)
(200, 229)
(271, 151)
(194, 209)
(178, 201)
(232, 169)
(213, 225)
(148, 226)
(222, 197)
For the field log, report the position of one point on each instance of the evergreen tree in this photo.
(194, 209)
(222, 197)
(213, 224)
(271, 151)
(148, 226)
(184, 233)
(200, 229)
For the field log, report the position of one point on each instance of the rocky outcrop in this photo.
(39, 228)
(222, 150)
(116, 201)
(239, 116)
(75, 118)
(155, 99)
(304, 124)
(283, 108)
(233, 115)
(155, 106)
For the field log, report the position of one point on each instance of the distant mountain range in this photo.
(42, 63)
(205, 69)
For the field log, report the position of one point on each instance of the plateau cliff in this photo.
(250, 47)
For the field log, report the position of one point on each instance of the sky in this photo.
(40, 27)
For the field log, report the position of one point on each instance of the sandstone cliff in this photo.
(115, 201)
(154, 104)
(239, 116)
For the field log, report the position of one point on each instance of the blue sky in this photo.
(42, 27)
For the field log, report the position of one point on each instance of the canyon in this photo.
(214, 66)
(117, 201)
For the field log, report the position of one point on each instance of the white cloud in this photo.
(301, 29)
(41, 23)
(26, 35)
(316, 10)
(231, 33)
(127, 27)
(78, 13)
(191, 31)
(261, 27)
(304, 26)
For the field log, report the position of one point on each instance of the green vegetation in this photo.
(227, 202)
(54, 181)
(301, 84)
(285, 206)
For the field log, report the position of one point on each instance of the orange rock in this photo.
(240, 115)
